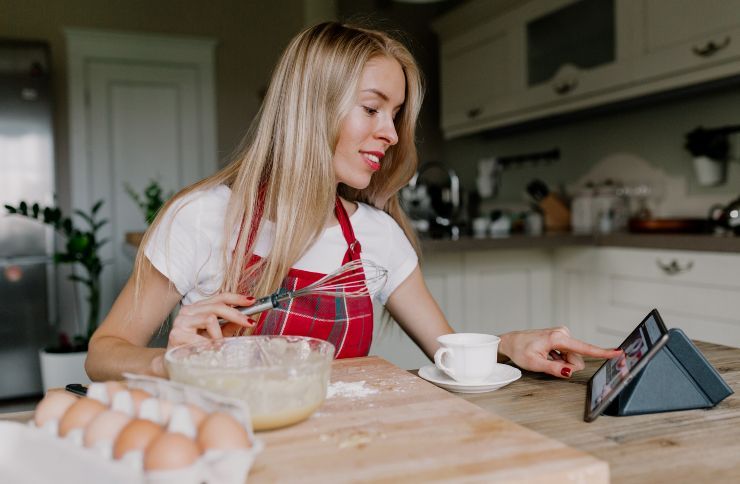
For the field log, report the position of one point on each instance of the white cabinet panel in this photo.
(697, 292)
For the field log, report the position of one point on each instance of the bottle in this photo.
(582, 217)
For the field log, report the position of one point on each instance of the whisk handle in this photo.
(260, 305)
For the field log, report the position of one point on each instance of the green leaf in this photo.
(23, 208)
(97, 206)
(85, 217)
(66, 225)
(35, 210)
(97, 226)
(10, 209)
(76, 278)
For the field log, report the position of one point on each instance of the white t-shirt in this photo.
(187, 245)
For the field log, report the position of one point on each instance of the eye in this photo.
(370, 111)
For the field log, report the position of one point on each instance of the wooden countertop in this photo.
(412, 431)
(697, 242)
(687, 446)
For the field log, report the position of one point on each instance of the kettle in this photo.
(727, 217)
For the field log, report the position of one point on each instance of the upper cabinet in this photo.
(506, 62)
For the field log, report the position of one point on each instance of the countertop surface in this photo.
(687, 446)
(384, 424)
(697, 242)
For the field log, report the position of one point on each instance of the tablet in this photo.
(639, 348)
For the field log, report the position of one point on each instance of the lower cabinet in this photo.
(483, 292)
(605, 292)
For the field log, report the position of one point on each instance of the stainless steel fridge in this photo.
(27, 274)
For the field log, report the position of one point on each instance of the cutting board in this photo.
(397, 427)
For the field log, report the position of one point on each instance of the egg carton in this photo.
(30, 454)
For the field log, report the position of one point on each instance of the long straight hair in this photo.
(284, 170)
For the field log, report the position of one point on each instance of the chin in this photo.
(358, 183)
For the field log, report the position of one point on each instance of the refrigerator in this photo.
(27, 273)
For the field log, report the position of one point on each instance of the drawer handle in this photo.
(673, 267)
(474, 113)
(711, 47)
(565, 87)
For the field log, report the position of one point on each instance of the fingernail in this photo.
(565, 372)
(250, 299)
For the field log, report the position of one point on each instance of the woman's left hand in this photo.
(551, 351)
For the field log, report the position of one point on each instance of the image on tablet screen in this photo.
(615, 370)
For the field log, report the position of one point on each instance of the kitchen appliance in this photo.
(727, 217)
(432, 200)
(26, 173)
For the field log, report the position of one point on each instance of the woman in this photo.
(315, 186)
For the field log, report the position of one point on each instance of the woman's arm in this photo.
(551, 350)
(119, 344)
(414, 308)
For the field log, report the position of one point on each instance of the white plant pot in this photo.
(709, 172)
(61, 369)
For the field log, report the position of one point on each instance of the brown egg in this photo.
(170, 451)
(114, 387)
(221, 431)
(53, 406)
(136, 435)
(105, 427)
(79, 415)
(138, 396)
(197, 414)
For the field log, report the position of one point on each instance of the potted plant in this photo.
(64, 362)
(149, 203)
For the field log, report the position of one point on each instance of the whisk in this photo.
(356, 278)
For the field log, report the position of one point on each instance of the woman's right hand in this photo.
(199, 321)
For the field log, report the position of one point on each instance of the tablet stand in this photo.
(678, 377)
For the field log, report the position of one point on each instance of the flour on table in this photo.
(353, 389)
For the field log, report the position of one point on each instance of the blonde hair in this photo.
(284, 169)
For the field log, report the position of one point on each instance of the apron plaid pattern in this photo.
(346, 322)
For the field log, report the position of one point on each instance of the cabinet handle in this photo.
(711, 47)
(673, 267)
(474, 113)
(565, 87)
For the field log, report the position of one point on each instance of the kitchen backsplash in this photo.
(637, 146)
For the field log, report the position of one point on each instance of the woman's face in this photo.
(368, 130)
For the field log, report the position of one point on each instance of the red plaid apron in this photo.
(346, 322)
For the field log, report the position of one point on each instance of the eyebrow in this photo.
(381, 95)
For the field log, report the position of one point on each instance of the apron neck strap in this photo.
(353, 245)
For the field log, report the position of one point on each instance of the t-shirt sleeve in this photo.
(401, 259)
(175, 247)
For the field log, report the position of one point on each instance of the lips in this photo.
(372, 159)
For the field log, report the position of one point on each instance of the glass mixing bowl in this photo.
(283, 379)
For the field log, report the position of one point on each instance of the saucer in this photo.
(502, 375)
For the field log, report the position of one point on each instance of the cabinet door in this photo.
(443, 274)
(687, 41)
(507, 291)
(476, 77)
(694, 291)
(572, 54)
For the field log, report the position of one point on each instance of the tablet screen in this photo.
(614, 372)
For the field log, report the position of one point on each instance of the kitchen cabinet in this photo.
(479, 292)
(504, 63)
(605, 292)
(685, 41)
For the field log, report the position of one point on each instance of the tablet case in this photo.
(678, 377)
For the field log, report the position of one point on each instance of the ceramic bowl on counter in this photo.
(283, 379)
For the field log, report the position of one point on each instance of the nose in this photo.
(387, 131)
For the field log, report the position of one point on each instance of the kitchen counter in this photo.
(687, 446)
(697, 242)
(385, 424)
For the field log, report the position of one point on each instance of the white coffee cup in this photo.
(467, 357)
